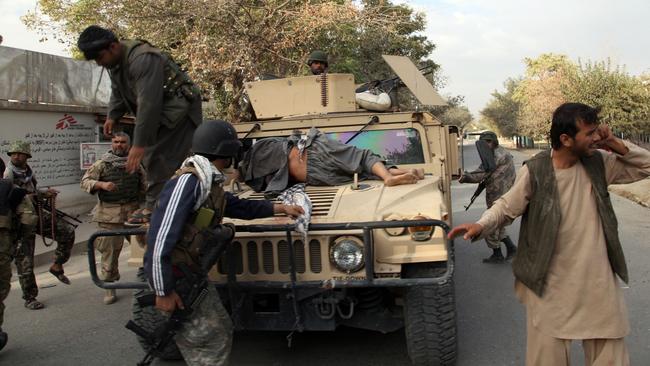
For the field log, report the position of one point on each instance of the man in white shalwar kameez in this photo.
(567, 270)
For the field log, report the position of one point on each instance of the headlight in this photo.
(421, 233)
(394, 231)
(347, 254)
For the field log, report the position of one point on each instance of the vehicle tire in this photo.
(149, 318)
(430, 318)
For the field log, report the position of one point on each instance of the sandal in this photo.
(138, 218)
(60, 276)
(33, 304)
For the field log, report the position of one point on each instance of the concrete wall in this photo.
(54, 137)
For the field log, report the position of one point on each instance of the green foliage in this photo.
(527, 104)
(457, 115)
(502, 111)
(225, 43)
(624, 100)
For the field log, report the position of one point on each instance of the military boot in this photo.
(495, 258)
(110, 297)
(511, 249)
(3, 339)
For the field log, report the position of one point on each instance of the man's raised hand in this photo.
(469, 231)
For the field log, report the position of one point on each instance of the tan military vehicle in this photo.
(375, 257)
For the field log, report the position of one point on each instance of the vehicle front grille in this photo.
(274, 257)
(321, 199)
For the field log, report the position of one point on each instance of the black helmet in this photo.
(317, 55)
(216, 138)
(489, 136)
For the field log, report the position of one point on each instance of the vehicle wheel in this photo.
(430, 318)
(149, 318)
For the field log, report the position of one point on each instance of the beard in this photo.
(120, 152)
(584, 152)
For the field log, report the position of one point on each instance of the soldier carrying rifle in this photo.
(35, 219)
(496, 175)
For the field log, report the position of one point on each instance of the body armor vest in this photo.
(128, 185)
(189, 249)
(176, 82)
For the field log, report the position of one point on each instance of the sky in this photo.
(480, 43)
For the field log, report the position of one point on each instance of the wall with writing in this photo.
(54, 139)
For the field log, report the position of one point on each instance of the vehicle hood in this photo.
(372, 202)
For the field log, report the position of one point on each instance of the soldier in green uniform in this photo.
(22, 176)
(7, 248)
(148, 84)
(498, 183)
(317, 62)
(118, 193)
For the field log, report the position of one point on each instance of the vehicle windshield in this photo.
(402, 146)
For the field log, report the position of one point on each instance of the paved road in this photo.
(77, 329)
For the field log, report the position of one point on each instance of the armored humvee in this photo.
(375, 257)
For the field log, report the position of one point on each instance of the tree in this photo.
(541, 92)
(457, 116)
(503, 110)
(624, 100)
(225, 43)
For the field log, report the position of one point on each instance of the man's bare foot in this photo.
(396, 180)
(419, 173)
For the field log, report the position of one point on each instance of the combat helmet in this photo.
(317, 55)
(216, 138)
(489, 136)
(20, 146)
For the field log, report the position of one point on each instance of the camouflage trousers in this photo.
(493, 239)
(110, 247)
(63, 234)
(6, 255)
(206, 338)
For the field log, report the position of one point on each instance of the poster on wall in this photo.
(90, 152)
(54, 138)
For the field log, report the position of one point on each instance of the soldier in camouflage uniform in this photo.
(502, 178)
(119, 194)
(7, 249)
(22, 176)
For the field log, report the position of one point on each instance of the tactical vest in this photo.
(541, 221)
(5, 211)
(23, 179)
(128, 185)
(188, 249)
(176, 83)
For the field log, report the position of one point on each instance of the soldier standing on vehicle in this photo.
(148, 84)
(196, 189)
(317, 62)
(119, 194)
(569, 250)
(498, 182)
(32, 223)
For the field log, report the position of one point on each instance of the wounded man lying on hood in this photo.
(273, 164)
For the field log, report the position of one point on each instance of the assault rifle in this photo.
(478, 191)
(489, 165)
(62, 215)
(192, 289)
(388, 85)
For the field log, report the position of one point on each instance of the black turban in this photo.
(94, 39)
